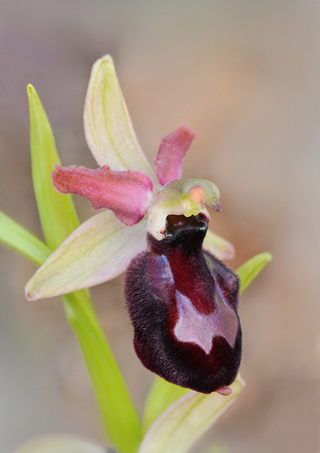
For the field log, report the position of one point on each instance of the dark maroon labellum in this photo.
(183, 306)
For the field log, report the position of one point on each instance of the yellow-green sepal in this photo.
(108, 127)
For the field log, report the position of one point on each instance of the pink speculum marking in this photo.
(195, 327)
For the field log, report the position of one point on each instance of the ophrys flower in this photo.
(182, 300)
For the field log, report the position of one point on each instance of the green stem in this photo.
(117, 411)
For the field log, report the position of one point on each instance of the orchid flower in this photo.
(181, 298)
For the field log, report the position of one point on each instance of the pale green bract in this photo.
(179, 427)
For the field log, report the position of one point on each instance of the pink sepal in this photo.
(171, 152)
(127, 193)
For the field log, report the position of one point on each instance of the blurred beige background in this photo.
(244, 75)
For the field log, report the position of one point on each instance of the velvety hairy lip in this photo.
(183, 306)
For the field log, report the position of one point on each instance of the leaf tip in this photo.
(31, 292)
(30, 88)
(104, 64)
(33, 98)
(252, 268)
(29, 295)
(31, 92)
(105, 59)
(268, 257)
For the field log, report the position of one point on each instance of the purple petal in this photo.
(171, 153)
(127, 193)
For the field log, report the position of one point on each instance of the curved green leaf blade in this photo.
(57, 213)
(20, 239)
(117, 411)
(251, 269)
(183, 423)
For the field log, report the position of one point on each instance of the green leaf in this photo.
(59, 444)
(57, 213)
(59, 219)
(162, 394)
(20, 239)
(183, 423)
(116, 408)
(251, 269)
